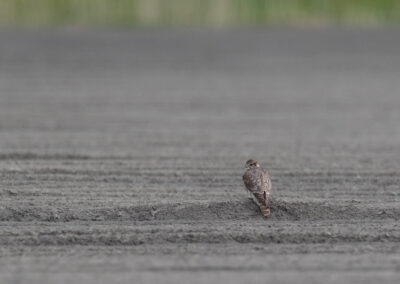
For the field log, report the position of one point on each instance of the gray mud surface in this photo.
(121, 156)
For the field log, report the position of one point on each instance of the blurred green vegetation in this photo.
(213, 13)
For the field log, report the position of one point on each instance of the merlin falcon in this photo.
(258, 184)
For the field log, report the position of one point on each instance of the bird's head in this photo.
(251, 164)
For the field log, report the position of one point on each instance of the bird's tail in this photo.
(262, 201)
(265, 210)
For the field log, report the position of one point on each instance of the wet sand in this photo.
(121, 156)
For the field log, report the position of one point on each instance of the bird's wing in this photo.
(266, 181)
(252, 181)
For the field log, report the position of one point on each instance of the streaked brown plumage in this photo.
(258, 184)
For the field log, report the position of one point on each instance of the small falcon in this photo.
(258, 184)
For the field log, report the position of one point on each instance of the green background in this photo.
(208, 13)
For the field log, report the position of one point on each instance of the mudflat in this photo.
(122, 154)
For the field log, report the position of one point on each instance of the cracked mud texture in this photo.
(121, 156)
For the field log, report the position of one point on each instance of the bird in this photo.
(258, 184)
